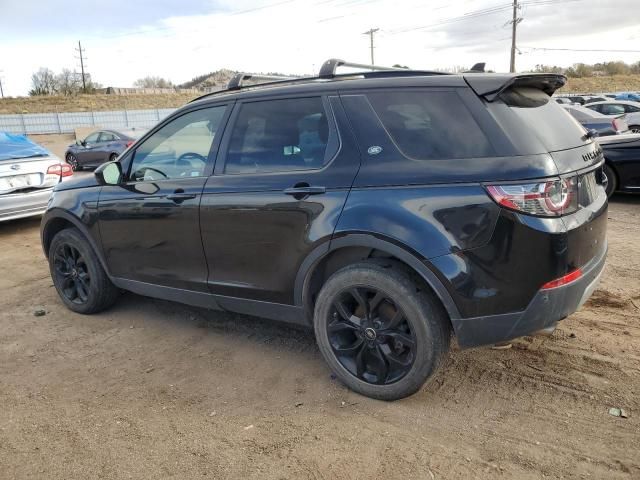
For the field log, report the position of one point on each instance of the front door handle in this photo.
(181, 196)
(304, 190)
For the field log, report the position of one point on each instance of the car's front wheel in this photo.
(381, 336)
(72, 160)
(78, 275)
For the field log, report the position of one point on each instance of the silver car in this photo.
(28, 173)
(620, 107)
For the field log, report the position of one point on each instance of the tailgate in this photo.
(24, 174)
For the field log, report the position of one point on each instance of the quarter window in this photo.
(430, 125)
(279, 135)
(179, 149)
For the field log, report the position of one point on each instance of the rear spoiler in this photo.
(490, 86)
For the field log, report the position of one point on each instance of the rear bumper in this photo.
(20, 205)
(545, 309)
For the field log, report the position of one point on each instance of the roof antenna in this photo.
(477, 68)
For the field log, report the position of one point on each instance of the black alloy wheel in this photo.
(72, 273)
(370, 336)
(73, 161)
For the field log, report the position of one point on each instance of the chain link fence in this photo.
(35, 123)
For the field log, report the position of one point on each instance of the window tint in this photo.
(631, 108)
(179, 149)
(612, 109)
(107, 137)
(430, 125)
(279, 135)
(93, 138)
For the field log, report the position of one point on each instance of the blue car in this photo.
(634, 97)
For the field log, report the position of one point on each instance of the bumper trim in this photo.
(546, 308)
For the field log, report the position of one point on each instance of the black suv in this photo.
(386, 209)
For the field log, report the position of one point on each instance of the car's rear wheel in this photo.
(612, 180)
(78, 275)
(113, 157)
(73, 162)
(381, 336)
(634, 128)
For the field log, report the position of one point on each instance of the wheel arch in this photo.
(56, 221)
(325, 259)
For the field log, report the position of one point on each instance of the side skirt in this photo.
(273, 311)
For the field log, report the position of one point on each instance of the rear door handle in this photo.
(304, 191)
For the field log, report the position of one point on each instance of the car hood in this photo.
(78, 181)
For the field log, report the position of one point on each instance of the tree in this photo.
(43, 82)
(153, 82)
(68, 82)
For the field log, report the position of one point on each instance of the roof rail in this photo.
(237, 81)
(328, 69)
(327, 72)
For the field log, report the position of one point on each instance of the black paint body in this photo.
(622, 153)
(241, 243)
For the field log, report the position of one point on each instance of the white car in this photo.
(28, 174)
(617, 108)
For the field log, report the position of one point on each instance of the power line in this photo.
(583, 50)
(370, 32)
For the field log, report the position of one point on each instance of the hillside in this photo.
(615, 83)
(219, 79)
(85, 103)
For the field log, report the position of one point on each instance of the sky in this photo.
(125, 40)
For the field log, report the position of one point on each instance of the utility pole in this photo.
(1, 90)
(82, 59)
(370, 32)
(514, 23)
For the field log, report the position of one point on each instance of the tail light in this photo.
(564, 280)
(551, 198)
(618, 125)
(60, 169)
(129, 143)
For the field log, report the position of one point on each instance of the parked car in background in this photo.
(633, 96)
(563, 100)
(592, 120)
(28, 173)
(594, 99)
(622, 162)
(99, 147)
(630, 109)
(579, 99)
(386, 212)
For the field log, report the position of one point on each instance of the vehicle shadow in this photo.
(625, 198)
(26, 225)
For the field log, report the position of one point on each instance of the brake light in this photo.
(551, 198)
(129, 143)
(564, 280)
(60, 169)
(617, 125)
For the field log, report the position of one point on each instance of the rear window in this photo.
(430, 125)
(547, 120)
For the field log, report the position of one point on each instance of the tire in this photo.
(73, 161)
(77, 274)
(612, 180)
(634, 128)
(113, 157)
(393, 362)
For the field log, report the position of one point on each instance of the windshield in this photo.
(13, 147)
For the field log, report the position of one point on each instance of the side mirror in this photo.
(109, 173)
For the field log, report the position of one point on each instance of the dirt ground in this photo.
(152, 389)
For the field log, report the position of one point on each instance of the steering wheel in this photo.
(190, 156)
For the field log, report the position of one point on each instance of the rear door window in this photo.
(430, 124)
(279, 136)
